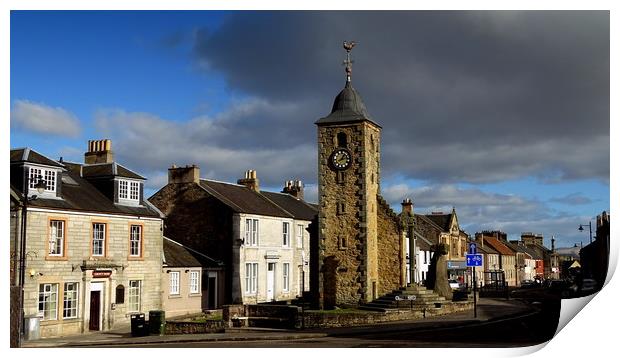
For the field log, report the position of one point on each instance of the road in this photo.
(527, 330)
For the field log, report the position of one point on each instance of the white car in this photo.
(454, 284)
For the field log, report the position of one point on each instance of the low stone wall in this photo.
(181, 327)
(291, 316)
(328, 320)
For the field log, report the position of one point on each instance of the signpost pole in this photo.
(475, 284)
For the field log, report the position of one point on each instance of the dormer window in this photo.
(128, 190)
(49, 175)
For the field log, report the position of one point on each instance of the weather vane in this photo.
(348, 46)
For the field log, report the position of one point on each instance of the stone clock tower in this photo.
(348, 144)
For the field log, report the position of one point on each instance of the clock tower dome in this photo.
(348, 168)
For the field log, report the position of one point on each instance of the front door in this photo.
(95, 304)
(271, 268)
(212, 291)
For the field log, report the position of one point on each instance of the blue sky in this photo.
(475, 114)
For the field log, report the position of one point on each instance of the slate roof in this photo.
(176, 255)
(422, 242)
(348, 107)
(29, 155)
(108, 169)
(441, 220)
(498, 246)
(486, 249)
(298, 208)
(242, 199)
(77, 194)
(85, 197)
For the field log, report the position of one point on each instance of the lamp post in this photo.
(589, 226)
(40, 186)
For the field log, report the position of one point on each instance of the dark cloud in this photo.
(488, 95)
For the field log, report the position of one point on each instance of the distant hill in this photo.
(569, 251)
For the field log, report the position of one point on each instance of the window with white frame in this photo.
(49, 175)
(174, 283)
(122, 189)
(135, 240)
(251, 274)
(300, 236)
(134, 190)
(98, 239)
(251, 232)
(286, 235)
(285, 276)
(48, 301)
(194, 281)
(70, 300)
(128, 190)
(57, 238)
(133, 296)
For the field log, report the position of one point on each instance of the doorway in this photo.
(212, 290)
(271, 268)
(95, 306)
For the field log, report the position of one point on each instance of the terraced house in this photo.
(91, 246)
(261, 238)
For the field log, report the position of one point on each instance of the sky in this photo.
(503, 115)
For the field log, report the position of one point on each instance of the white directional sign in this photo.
(474, 260)
(472, 249)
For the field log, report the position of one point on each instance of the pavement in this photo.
(488, 310)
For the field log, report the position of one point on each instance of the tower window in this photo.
(342, 242)
(340, 177)
(340, 207)
(342, 140)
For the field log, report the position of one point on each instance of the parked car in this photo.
(528, 284)
(562, 288)
(454, 284)
(588, 286)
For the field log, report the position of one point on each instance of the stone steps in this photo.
(425, 299)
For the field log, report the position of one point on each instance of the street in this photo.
(523, 330)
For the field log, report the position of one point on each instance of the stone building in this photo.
(548, 268)
(93, 245)
(360, 251)
(261, 238)
(507, 257)
(456, 239)
(185, 279)
(594, 257)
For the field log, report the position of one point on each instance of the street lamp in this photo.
(40, 186)
(590, 226)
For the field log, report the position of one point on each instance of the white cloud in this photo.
(43, 119)
(224, 147)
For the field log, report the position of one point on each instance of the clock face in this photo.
(341, 159)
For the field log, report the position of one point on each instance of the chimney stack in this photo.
(407, 206)
(182, 175)
(250, 181)
(99, 151)
(294, 188)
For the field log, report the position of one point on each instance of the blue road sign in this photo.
(472, 248)
(474, 260)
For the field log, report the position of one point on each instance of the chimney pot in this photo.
(180, 175)
(99, 151)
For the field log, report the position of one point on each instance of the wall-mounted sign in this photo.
(102, 274)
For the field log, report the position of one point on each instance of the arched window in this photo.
(342, 140)
(120, 294)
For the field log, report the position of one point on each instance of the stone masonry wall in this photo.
(391, 250)
(348, 239)
(199, 221)
(342, 249)
(68, 268)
